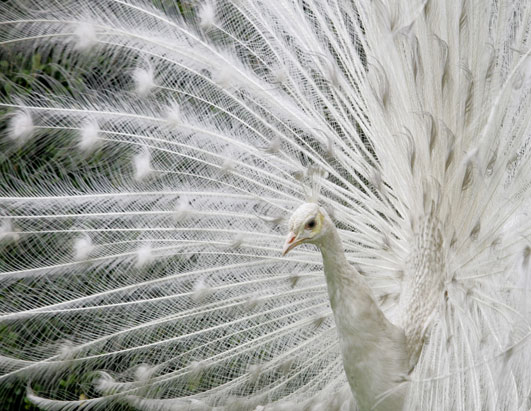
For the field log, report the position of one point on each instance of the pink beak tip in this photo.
(288, 245)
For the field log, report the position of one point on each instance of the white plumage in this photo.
(374, 351)
(146, 185)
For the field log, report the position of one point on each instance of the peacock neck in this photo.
(373, 350)
(340, 276)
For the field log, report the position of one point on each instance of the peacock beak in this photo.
(292, 241)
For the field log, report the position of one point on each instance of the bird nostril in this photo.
(291, 240)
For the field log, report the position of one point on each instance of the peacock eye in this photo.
(310, 224)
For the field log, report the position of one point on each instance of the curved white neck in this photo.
(374, 350)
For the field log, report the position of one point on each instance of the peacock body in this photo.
(148, 177)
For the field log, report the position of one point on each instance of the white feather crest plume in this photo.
(146, 168)
(312, 180)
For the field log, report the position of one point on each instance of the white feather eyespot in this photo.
(89, 137)
(228, 165)
(207, 15)
(202, 291)
(183, 209)
(144, 372)
(8, 231)
(66, 350)
(144, 255)
(104, 383)
(173, 114)
(142, 164)
(224, 77)
(279, 75)
(85, 36)
(20, 127)
(197, 369)
(144, 80)
(274, 146)
(83, 247)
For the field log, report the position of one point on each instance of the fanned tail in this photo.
(149, 171)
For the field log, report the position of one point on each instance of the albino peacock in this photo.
(148, 173)
(375, 354)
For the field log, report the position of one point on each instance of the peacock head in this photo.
(308, 224)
